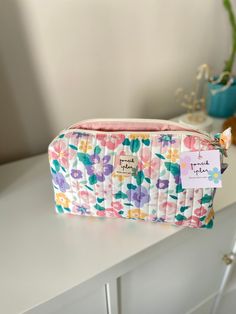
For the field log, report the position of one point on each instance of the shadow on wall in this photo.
(22, 112)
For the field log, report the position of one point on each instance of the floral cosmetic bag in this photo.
(132, 168)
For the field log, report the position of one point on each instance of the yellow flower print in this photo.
(143, 136)
(119, 177)
(85, 146)
(136, 213)
(62, 200)
(173, 155)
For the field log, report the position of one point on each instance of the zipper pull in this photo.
(223, 141)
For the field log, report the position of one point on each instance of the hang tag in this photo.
(200, 169)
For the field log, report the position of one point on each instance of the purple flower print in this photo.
(162, 184)
(99, 167)
(60, 181)
(80, 134)
(76, 174)
(138, 196)
(177, 179)
(166, 140)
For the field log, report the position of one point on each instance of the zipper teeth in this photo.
(200, 135)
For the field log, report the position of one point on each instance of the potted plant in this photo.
(221, 97)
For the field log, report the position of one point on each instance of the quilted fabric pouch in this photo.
(130, 168)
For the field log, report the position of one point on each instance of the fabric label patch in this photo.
(200, 169)
(127, 165)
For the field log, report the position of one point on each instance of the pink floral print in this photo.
(112, 142)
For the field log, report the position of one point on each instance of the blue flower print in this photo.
(214, 175)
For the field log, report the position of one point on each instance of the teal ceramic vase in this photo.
(223, 103)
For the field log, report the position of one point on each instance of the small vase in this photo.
(223, 103)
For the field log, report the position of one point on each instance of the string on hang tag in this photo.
(199, 150)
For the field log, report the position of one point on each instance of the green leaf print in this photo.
(84, 158)
(100, 200)
(162, 173)
(53, 170)
(56, 165)
(97, 150)
(160, 156)
(99, 207)
(61, 136)
(140, 177)
(73, 147)
(88, 187)
(183, 208)
(92, 179)
(180, 217)
(146, 142)
(59, 209)
(134, 145)
(174, 197)
(120, 195)
(126, 142)
(202, 218)
(148, 180)
(173, 168)
(210, 224)
(179, 188)
(206, 199)
(131, 186)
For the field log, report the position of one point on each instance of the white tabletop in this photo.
(44, 254)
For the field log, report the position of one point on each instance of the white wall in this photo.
(66, 60)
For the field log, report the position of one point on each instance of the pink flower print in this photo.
(193, 222)
(201, 211)
(59, 151)
(72, 153)
(185, 165)
(190, 142)
(87, 198)
(111, 212)
(101, 213)
(110, 141)
(148, 164)
(76, 186)
(116, 205)
(169, 208)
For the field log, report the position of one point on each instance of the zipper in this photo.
(161, 121)
(200, 135)
(190, 131)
